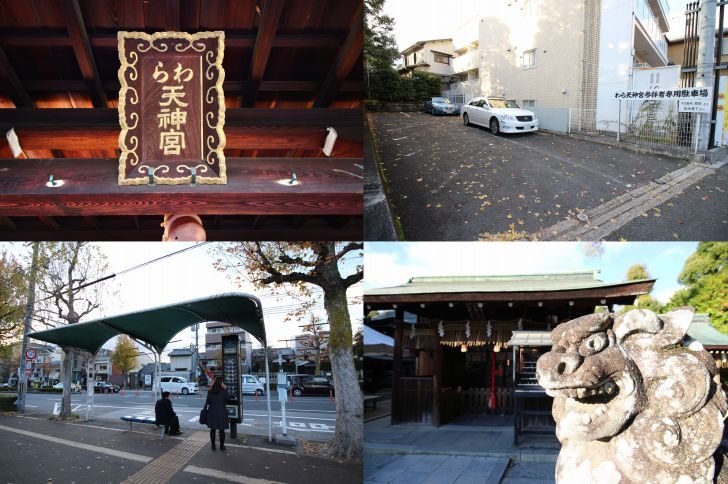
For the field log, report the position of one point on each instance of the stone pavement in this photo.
(39, 450)
(456, 453)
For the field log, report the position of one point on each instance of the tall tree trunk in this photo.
(347, 440)
(67, 371)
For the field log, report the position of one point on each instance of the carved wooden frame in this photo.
(214, 141)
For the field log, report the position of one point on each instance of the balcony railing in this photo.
(466, 62)
(649, 22)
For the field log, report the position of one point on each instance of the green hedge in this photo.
(7, 403)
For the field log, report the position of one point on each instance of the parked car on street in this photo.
(500, 115)
(440, 105)
(7, 385)
(251, 385)
(177, 384)
(75, 388)
(105, 387)
(311, 385)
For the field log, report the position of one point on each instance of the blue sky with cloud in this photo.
(389, 264)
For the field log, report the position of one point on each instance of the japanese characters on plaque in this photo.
(677, 94)
(171, 108)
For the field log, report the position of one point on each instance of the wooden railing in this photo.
(415, 396)
(475, 401)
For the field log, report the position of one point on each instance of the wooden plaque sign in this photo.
(171, 108)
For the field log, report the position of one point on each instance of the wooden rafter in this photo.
(171, 15)
(17, 91)
(345, 61)
(82, 49)
(269, 20)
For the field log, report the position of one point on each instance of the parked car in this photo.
(105, 387)
(252, 385)
(7, 385)
(440, 105)
(311, 385)
(177, 384)
(500, 115)
(75, 388)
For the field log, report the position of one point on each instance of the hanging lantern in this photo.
(497, 348)
(489, 329)
(413, 332)
(520, 324)
(467, 330)
(441, 329)
(464, 348)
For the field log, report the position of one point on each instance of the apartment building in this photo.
(432, 56)
(552, 56)
(213, 344)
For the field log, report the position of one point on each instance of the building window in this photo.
(441, 58)
(528, 103)
(529, 59)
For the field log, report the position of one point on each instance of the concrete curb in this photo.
(378, 221)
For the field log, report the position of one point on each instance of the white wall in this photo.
(615, 57)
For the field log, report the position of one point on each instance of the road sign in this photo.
(29, 365)
(30, 354)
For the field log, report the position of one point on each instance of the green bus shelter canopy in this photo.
(157, 326)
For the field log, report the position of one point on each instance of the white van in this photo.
(177, 384)
(252, 385)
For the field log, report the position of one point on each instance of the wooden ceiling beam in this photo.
(269, 20)
(232, 87)
(240, 231)
(50, 221)
(345, 60)
(238, 137)
(244, 40)
(17, 91)
(8, 222)
(254, 188)
(82, 49)
(82, 118)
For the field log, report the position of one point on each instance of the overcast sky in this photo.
(390, 264)
(434, 19)
(189, 275)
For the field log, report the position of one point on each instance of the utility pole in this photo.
(705, 75)
(29, 307)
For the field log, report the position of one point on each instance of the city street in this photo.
(311, 418)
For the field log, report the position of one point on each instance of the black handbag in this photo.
(203, 415)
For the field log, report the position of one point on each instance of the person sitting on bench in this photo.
(165, 415)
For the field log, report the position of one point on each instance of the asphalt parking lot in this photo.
(446, 181)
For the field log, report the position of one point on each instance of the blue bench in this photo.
(145, 420)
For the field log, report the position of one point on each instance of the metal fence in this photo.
(653, 124)
(462, 92)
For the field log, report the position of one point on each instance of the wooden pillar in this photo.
(397, 367)
(437, 417)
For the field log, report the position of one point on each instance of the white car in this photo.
(500, 115)
(177, 384)
(74, 387)
(251, 384)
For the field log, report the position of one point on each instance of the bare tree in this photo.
(65, 297)
(299, 267)
(313, 341)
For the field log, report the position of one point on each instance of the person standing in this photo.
(217, 418)
(164, 415)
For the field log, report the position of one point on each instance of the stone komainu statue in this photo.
(635, 400)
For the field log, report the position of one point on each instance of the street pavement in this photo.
(38, 450)
(311, 418)
(446, 181)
